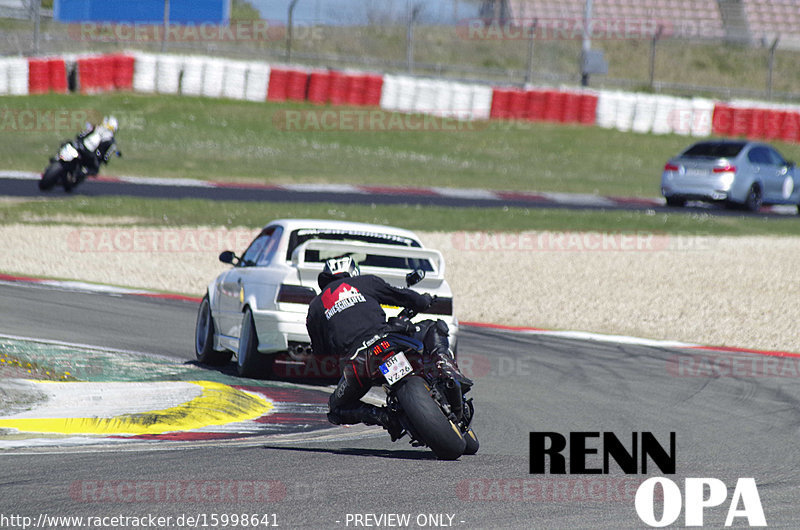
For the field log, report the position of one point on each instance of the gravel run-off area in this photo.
(732, 291)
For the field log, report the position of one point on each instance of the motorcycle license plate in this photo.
(396, 368)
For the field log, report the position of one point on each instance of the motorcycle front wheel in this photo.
(51, 176)
(439, 433)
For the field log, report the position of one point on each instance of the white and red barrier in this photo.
(757, 120)
(14, 74)
(258, 81)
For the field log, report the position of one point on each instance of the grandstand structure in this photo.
(757, 22)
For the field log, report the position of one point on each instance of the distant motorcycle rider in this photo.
(96, 145)
(346, 315)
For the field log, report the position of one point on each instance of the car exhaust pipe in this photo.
(299, 351)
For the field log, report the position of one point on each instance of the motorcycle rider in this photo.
(96, 145)
(346, 315)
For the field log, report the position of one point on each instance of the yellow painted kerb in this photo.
(218, 404)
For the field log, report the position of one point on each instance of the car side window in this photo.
(254, 250)
(268, 252)
(758, 155)
(262, 249)
(775, 158)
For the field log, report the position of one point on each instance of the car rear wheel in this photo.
(249, 362)
(204, 337)
(754, 199)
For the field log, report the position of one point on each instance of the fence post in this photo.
(771, 66)
(413, 11)
(531, 39)
(166, 27)
(289, 26)
(653, 44)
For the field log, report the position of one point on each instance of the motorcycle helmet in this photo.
(110, 123)
(336, 268)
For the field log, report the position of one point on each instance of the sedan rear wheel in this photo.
(754, 200)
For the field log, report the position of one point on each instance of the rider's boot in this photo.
(445, 361)
(368, 415)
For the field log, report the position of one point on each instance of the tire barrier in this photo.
(655, 114)
(319, 86)
(234, 84)
(38, 76)
(540, 104)
(144, 72)
(3, 76)
(17, 74)
(123, 72)
(755, 120)
(297, 85)
(449, 99)
(96, 73)
(168, 74)
(278, 84)
(192, 76)
(213, 77)
(257, 81)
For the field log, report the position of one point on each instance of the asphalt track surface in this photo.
(14, 187)
(726, 427)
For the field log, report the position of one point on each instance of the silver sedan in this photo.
(737, 173)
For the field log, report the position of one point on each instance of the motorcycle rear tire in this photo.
(51, 176)
(439, 433)
(472, 442)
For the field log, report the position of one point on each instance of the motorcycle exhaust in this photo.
(452, 391)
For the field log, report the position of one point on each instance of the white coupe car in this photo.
(257, 309)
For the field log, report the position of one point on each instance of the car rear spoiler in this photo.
(309, 270)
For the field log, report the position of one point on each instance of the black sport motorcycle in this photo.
(432, 410)
(69, 168)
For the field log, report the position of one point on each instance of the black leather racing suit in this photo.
(345, 314)
(95, 145)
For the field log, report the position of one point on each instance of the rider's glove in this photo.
(428, 301)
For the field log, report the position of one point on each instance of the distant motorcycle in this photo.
(80, 158)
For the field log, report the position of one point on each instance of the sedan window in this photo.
(759, 155)
(714, 150)
(254, 250)
(775, 157)
(263, 247)
(269, 249)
